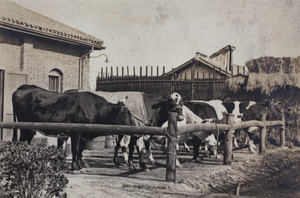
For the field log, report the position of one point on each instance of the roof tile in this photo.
(18, 16)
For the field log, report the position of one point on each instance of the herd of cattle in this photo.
(34, 104)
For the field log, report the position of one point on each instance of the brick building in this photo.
(35, 49)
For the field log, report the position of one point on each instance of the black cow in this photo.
(34, 104)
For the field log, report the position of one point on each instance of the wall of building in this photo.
(28, 59)
(202, 70)
(222, 60)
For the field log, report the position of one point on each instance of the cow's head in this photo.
(273, 109)
(173, 103)
(120, 114)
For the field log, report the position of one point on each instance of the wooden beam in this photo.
(171, 148)
(87, 128)
(228, 141)
(262, 144)
(282, 132)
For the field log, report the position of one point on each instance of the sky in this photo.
(170, 32)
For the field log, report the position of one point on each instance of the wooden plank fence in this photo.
(200, 87)
(172, 130)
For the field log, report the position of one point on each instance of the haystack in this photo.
(266, 76)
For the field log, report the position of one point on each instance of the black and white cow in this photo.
(210, 112)
(251, 110)
(34, 104)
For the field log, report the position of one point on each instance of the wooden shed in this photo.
(217, 66)
(35, 49)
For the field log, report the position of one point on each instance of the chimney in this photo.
(197, 56)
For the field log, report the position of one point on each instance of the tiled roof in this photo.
(18, 18)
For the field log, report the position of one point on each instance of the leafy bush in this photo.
(32, 171)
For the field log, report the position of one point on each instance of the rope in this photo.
(142, 121)
(174, 141)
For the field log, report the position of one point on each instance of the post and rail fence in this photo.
(172, 130)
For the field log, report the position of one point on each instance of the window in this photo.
(55, 80)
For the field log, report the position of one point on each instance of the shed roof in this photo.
(18, 18)
(224, 49)
(201, 60)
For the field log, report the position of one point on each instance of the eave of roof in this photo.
(201, 60)
(228, 47)
(17, 18)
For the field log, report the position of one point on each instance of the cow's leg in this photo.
(236, 134)
(80, 157)
(75, 137)
(141, 159)
(141, 144)
(149, 151)
(235, 144)
(26, 135)
(251, 144)
(164, 142)
(196, 144)
(61, 141)
(117, 147)
(186, 147)
(130, 155)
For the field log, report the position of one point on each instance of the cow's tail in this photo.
(15, 133)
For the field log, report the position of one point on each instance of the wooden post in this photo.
(282, 131)
(262, 144)
(171, 148)
(228, 141)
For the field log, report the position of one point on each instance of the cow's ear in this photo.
(157, 105)
(181, 103)
(186, 100)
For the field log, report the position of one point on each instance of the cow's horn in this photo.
(124, 99)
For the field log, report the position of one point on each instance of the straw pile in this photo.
(268, 74)
(276, 79)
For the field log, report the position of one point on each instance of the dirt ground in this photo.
(275, 173)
